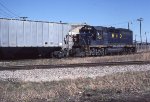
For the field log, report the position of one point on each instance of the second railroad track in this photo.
(30, 67)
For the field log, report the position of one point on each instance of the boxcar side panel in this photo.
(39, 34)
(45, 34)
(34, 34)
(27, 34)
(5, 33)
(60, 34)
(12, 33)
(55, 35)
(51, 31)
(20, 33)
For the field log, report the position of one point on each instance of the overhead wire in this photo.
(7, 11)
(125, 22)
(12, 10)
(5, 14)
(2, 15)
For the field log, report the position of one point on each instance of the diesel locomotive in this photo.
(100, 41)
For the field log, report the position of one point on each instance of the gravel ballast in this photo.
(43, 75)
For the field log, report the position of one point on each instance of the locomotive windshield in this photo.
(91, 32)
(99, 34)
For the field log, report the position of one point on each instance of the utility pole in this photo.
(129, 25)
(146, 40)
(135, 39)
(146, 37)
(140, 20)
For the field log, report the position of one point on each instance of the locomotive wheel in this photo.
(101, 51)
(58, 54)
(97, 52)
(125, 52)
(82, 54)
(93, 52)
(52, 55)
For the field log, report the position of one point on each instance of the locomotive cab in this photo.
(88, 36)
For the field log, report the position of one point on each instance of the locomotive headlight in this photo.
(60, 44)
(120, 36)
(113, 35)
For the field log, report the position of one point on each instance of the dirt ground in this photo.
(120, 87)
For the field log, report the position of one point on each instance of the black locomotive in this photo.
(99, 41)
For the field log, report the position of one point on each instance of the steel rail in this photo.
(31, 67)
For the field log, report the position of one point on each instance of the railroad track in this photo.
(32, 59)
(30, 67)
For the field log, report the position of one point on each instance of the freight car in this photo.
(25, 38)
(99, 41)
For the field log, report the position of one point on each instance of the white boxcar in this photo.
(20, 37)
(19, 33)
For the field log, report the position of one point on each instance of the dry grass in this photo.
(102, 89)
